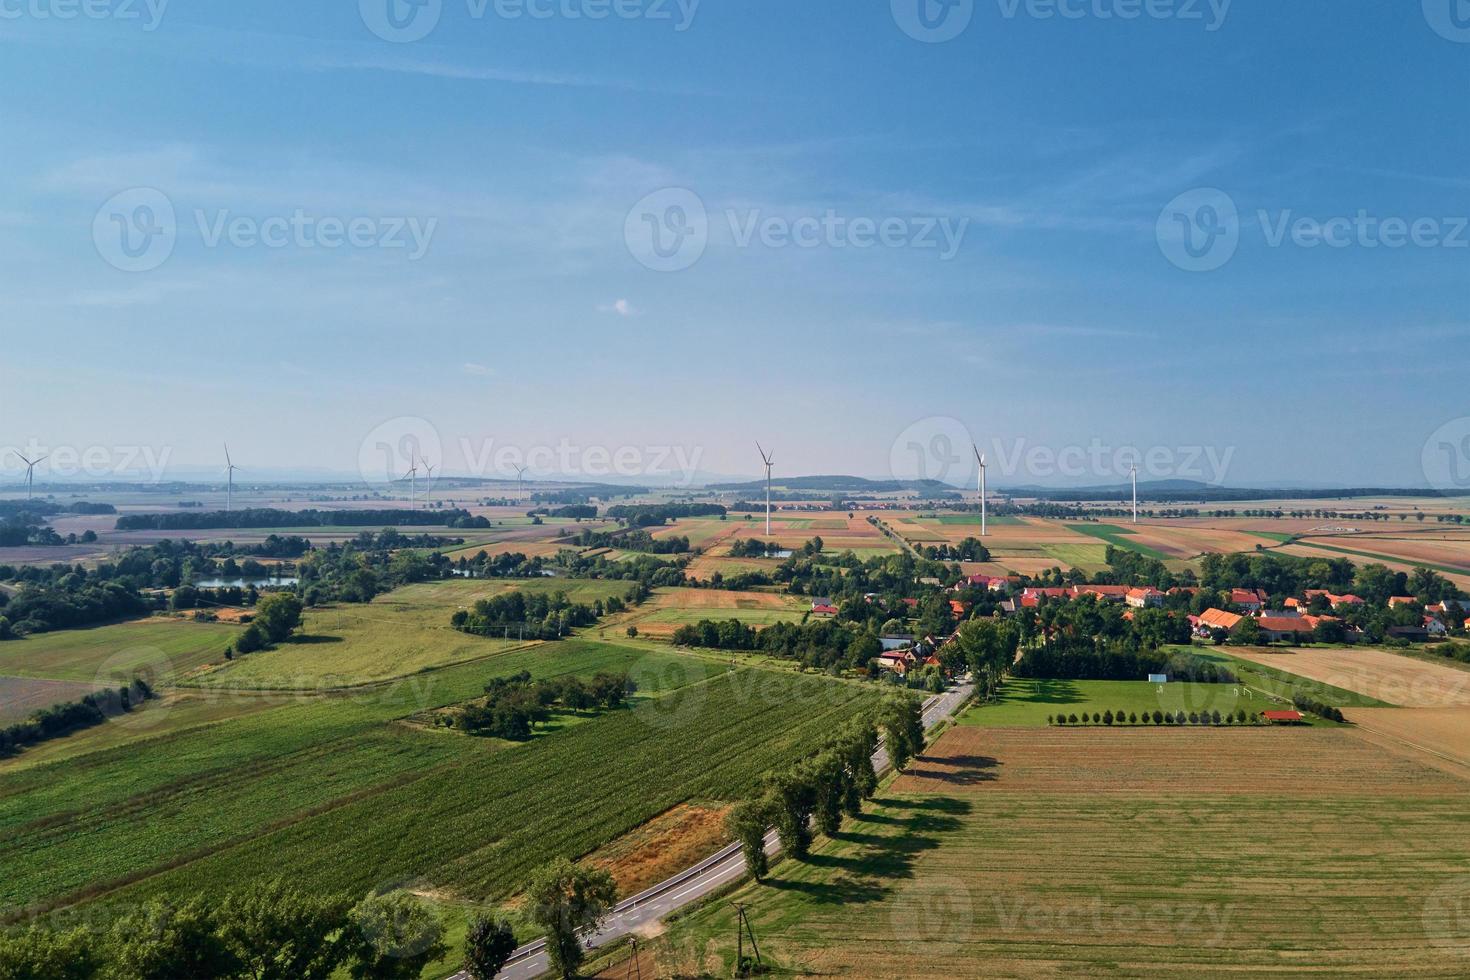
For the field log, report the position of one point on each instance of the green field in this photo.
(1027, 703)
(1088, 557)
(969, 519)
(397, 634)
(1118, 537)
(156, 647)
(1157, 884)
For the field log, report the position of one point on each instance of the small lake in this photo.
(245, 583)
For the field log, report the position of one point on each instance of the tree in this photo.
(41, 954)
(488, 945)
(792, 797)
(279, 932)
(165, 940)
(1246, 633)
(393, 937)
(747, 823)
(903, 730)
(251, 640)
(278, 615)
(565, 898)
(632, 632)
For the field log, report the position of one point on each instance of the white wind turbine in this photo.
(766, 458)
(412, 477)
(1135, 492)
(980, 459)
(521, 478)
(230, 469)
(30, 471)
(428, 478)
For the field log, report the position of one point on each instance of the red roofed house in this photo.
(1219, 619)
(1109, 593)
(958, 608)
(1344, 600)
(1284, 629)
(1282, 717)
(1402, 600)
(1251, 600)
(1144, 598)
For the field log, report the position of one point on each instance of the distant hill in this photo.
(845, 484)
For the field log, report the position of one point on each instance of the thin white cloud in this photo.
(618, 307)
(477, 370)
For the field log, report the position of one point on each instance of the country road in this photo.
(692, 884)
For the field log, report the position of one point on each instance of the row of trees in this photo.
(277, 617)
(1085, 658)
(73, 716)
(1239, 717)
(252, 517)
(273, 930)
(818, 792)
(630, 540)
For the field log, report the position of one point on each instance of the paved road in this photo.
(709, 875)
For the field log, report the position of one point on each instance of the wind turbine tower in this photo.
(31, 471)
(980, 459)
(1135, 493)
(766, 458)
(521, 479)
(428, 478)
(230, 469)
(412, 477)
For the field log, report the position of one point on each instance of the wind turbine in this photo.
(428, 478)
(521, 479)
(31, 471)
(412, 477)
(980, 459)
(230, 469)
(1135, 493)
(766, 458)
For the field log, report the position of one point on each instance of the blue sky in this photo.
(523, 316)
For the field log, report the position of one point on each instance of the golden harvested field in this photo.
(1108, 853)
(705, 566)
(671, 608)
(1275, 762)
(663, 847)
(1441, 732)
(1396, 680)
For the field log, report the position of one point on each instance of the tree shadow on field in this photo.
(960, 770)
(879, 860)
(313, 639)
(1047, 692)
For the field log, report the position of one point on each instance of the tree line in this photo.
(514, 706)
(72, 716)
(273, 517)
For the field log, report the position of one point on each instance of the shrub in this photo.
(1132, 718)
(1072, 719)
(1107, 718)
(1158, 717)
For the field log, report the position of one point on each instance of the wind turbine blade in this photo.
(40, 461)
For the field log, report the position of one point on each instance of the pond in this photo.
(260, 582)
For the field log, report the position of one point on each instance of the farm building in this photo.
(1286, 629)
(1283, 717)
(1145, 598)
(1251, 600)
(1219, 619)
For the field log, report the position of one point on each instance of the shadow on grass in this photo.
(880, 860)
(958, 770)
(312, 639)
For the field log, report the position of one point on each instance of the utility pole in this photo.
(743, 928)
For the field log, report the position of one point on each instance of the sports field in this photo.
(1122, 853)
(1025, 703)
